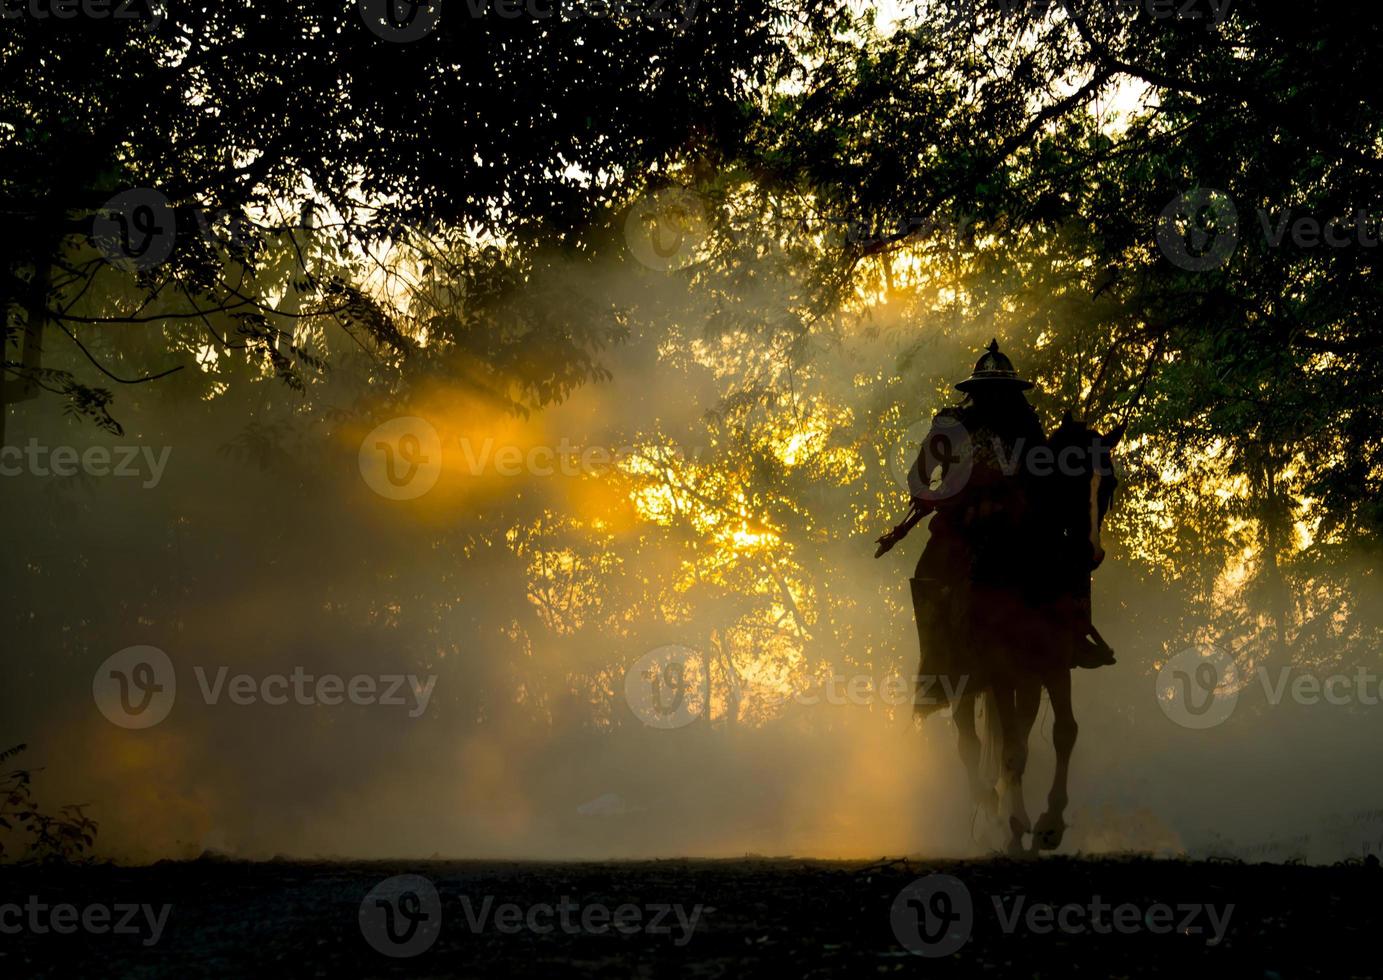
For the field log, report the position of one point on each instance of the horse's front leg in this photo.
(1051, 826)
(963, 713)
(1017, 706)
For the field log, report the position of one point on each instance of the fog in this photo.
(261, 548)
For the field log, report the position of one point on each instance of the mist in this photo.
(518, 599)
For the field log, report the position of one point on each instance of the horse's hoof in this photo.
(1016, 848)
(1046, 836)
(1017, 829)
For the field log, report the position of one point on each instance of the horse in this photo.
(1032, 632)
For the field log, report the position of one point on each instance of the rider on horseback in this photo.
(981, 534)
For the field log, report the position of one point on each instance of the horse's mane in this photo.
(1057, 542)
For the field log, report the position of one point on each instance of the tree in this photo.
(313, 116)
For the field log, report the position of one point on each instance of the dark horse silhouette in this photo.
(1027, 639)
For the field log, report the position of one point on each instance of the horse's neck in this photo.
(1062, 567)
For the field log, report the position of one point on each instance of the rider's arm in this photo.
(918, 508)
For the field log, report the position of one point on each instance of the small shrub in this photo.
(66, 836)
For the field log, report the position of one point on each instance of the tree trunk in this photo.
(24, 386)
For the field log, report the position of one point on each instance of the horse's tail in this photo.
(991, 739)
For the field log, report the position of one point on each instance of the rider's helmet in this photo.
(993, 368)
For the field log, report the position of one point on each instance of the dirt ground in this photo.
(695, 918)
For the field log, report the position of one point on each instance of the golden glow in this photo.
(718, 540)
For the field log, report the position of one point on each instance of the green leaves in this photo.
(65, 836)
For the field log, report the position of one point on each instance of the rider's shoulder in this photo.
(950, 414)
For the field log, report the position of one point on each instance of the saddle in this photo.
(942, 610)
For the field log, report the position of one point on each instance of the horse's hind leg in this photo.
(1051, 826)
(963, 712)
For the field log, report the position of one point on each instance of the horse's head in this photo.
(1084, 482)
